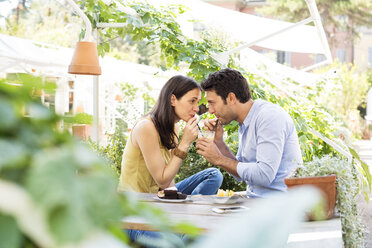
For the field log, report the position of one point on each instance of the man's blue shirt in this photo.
(268, 149)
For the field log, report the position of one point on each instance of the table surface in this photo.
(199, 212)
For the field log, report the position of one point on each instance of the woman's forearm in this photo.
(170, 172)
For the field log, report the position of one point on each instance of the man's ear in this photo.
(231, 98)
(173, 100)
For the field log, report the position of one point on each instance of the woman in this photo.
(154, 153)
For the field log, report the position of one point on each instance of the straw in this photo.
(215, 127)
(200, 131)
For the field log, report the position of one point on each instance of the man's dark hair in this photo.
(225, 81)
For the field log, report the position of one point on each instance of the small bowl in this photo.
(227, 199)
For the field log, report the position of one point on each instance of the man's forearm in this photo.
(225, 150)
(228, 164)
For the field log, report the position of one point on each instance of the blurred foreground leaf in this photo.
(267, 224)
(10, 236)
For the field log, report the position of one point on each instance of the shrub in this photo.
(67, 188)
(54, 192)
(112, 152)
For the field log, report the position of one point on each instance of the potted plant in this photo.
(81, 125)
(327, 186)
(347, 181)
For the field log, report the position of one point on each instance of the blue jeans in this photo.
(205, 182)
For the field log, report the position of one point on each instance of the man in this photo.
(268, 144)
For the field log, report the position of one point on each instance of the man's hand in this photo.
(215, 125)
(208, 149)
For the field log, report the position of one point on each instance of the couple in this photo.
(268, 144)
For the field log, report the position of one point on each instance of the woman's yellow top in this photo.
(134, 173)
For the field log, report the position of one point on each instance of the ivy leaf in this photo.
(12, 154)
(53, 183)
(106, 207)
(9, 117)
(146, 17)
(80, 195)
(10, 235)
(106, 47)
(184, 227)
(365, 167)
(68, 223)
(39, 112)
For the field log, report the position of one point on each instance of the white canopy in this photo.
(276, 73)
(17, 54)
(248, 28)
(23, 55)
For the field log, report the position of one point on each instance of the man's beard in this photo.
(223, 121)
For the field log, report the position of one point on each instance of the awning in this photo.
(253, 30)
(17, 54)
(247, 28)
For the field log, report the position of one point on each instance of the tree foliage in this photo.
(44, 21)
(346, 15)
(342, 92)
(154, 27)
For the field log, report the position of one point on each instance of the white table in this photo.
(327, 234)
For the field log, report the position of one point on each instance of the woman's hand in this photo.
(190, 132)
(215, 125)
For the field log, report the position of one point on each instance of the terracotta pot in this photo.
(327, 185)
(85, 60)
(83, 131)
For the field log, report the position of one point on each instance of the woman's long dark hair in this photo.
(163, 115)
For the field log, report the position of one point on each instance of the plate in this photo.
(171, 200)
(224, 210)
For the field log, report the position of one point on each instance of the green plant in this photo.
(348, 187)
(79, 118)
(112, 152)
(43, 163)
(54, 191)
